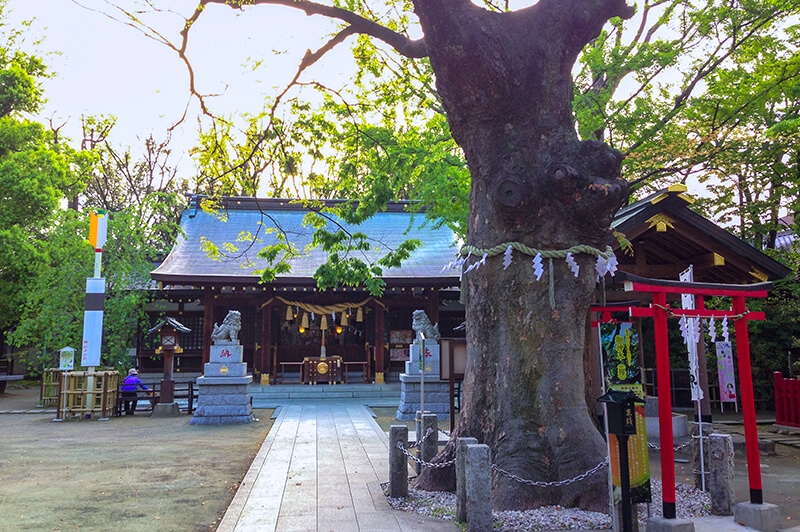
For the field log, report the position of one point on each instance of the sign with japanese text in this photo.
(727, 378)
(620, 349)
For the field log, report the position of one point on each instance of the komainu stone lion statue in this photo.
(230, 328)
(422, 324)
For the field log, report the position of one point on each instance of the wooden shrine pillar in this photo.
(380, 342)
(748, 400)
(664, 405)
(266, 338)
(208, 323)
(433, 306)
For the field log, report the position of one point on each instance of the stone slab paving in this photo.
(320, 468)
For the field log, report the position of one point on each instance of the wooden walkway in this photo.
(320, 469)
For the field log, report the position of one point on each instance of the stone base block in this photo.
(226, 353)
(660, 524)
(236, 389)
(221, 420)
(223, 400)
(213, 369)
(166, 410)
(764, 517)
(437, 398)
(680, 426)
(413, 380)
(229, 410)
(228, 381)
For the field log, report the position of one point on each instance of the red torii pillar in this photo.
(660, 311)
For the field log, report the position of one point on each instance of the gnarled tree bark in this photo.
(506, 85)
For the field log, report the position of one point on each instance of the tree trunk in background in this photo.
(505, 82)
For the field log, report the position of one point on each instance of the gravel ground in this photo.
(691, 502)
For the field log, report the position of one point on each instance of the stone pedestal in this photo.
(166, 410)
(661, 524)
(432, 358)
(437, 397)
(720, 485)
(224, 388)
(764, 517)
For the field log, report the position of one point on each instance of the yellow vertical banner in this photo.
(620, 345)
(93, 229)
(98, 228)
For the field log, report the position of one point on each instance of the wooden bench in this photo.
(283, 365)
(183, 390)
(6, 370)
(148, 397)
(364, 365)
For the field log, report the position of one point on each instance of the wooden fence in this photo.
(787, 400)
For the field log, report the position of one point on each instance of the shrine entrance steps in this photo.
(387, 394)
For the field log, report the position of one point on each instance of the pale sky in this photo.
(102, 66)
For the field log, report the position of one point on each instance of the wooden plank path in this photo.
(320, 468)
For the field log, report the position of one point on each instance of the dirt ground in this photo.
(129, 473)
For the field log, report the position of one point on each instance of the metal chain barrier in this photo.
(555, 483)
(677, 447)
(512, 476)
(420, 442)
(421, 461)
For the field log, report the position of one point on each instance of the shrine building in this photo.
(289, 319)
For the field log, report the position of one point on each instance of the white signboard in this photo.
(67, 359)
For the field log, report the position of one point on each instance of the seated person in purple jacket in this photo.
(129, 386)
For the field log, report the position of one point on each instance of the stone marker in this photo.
(694, 429)
(430, 447)
(479, 488)
(461, 477)
(720, 481)
(398, 464)
(224, 389)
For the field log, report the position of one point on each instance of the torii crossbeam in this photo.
(660, 310)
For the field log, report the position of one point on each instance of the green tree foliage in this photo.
(142, 225)
(45, 256)
(643, 79)
(34, 174)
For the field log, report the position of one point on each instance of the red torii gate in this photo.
(659, 310)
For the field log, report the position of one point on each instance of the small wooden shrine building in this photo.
(282, 321)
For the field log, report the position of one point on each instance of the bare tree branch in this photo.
(401, 43)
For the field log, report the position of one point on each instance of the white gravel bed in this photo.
(691, 502)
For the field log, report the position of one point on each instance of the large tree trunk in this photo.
(505, 83)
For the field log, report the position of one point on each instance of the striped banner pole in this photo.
(95, 302)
